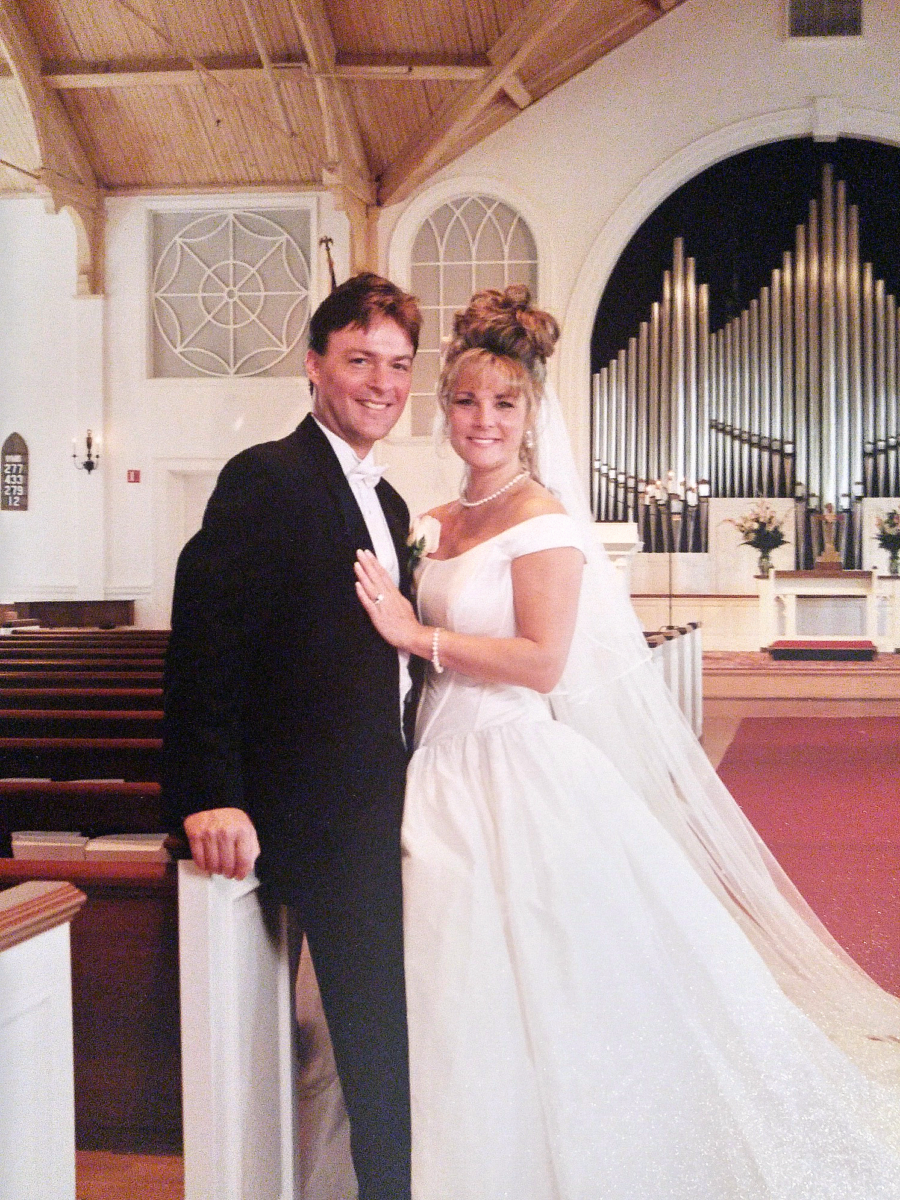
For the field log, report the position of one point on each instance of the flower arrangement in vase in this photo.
(761, 529)
(888, 538)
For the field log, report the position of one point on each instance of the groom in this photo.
(284, 709)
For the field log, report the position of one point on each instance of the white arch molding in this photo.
(825, 119)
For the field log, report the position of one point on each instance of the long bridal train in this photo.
(585, 1015)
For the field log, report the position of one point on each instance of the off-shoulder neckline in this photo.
(494, 537)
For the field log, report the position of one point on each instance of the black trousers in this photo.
(350, 907)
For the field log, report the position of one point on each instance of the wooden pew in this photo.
(34, 666)
(124, 1002)
(81, 698)
(78, 678)
(67, 653)
(79, 712)
(135, 759)
(72, 633)
(69, 722)
(90, 807)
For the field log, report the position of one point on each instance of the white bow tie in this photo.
(367, 473)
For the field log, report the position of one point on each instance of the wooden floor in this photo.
(103, 1176)
(155, 1177)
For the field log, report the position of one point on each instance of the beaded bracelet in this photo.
(435, 650)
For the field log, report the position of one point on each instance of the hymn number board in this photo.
(14, 468)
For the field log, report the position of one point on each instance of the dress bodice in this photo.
(473, 593)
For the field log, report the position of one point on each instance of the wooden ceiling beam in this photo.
(346, 171)
(240, 69)
(517, 92)
(417, 71)
(267, 66)
(161, 32)
(65, 174)
(215, 189)
(627, 26)
(427, 150)
(57, 143)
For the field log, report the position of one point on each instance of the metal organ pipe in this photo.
(796, 396)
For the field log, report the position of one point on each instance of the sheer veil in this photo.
(613, 693)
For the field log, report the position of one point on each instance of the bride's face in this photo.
(486, 418)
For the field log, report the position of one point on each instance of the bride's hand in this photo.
(391, 613)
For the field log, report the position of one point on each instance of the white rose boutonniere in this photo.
(424, 538)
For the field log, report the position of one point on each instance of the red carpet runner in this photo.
(824, 794)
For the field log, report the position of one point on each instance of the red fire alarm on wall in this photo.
(134, 477)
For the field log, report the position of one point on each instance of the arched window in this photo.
(466, 244)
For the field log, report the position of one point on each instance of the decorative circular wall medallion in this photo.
(231, 293)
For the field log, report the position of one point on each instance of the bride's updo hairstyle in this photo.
(503, 330)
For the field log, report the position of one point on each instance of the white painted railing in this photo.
(37, 1093)
(679, 654)
(263, 1112)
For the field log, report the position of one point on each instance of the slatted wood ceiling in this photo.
(106, 96)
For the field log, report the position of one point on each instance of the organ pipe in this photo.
(796, 396)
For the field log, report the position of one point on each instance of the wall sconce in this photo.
(90, 460)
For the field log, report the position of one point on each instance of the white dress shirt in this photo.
(362, 485)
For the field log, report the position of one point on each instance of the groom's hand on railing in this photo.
(223, 841)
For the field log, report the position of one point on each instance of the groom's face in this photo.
(362, 381)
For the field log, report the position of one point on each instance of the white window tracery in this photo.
(231, 292)
(466, 244)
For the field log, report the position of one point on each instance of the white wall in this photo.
(38, 399)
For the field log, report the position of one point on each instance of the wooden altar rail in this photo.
(679, 653)
(37, 1106)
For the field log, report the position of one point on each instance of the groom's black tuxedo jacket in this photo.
(280, 697)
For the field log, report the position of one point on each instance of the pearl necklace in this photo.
(493, 496)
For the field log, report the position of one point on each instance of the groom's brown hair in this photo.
(359, 301)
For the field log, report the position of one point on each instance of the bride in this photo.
(614, 993)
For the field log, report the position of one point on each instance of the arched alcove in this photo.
(825, 119)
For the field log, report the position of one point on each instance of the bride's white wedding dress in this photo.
(587, 1022)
